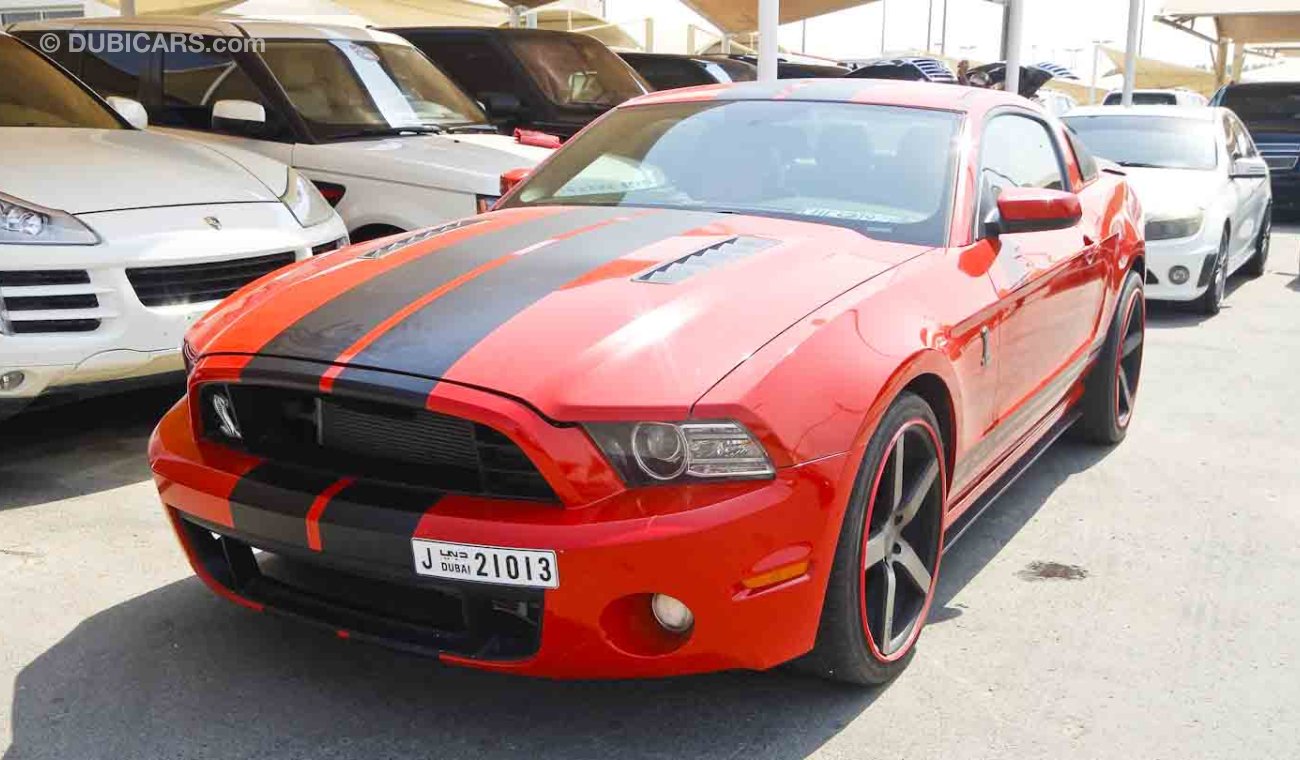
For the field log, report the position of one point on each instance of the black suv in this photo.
(554, 82)
(665, 71)
(1271, 111)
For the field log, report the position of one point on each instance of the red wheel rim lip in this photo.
(1122, 419)
(862, 554)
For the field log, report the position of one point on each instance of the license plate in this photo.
(486, 564)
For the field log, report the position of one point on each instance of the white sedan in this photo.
(113, 240)
(1203, 186)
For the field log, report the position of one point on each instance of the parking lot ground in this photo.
(1142, 602)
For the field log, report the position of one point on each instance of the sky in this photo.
(1062, 31)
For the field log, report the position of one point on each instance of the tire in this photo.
(887, 531)
(1255, 267)
(1211, 301)
(1112, 385)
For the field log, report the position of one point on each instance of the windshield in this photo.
(1163, 142)
(347, 88)
(35, 93)
(1143, 99)
(881, 170)
(1266, 104)
(574, 70)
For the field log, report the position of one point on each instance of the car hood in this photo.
(83, 171)
(584, 313)
(1173, 192)
(463, 163)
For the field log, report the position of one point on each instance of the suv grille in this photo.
(48, 301)
(375, 441)
(199, 283)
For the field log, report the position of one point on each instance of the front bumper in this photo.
(92, 328)
(1196, 254)
(696, 543)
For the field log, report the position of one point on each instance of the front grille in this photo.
(375, 441)
(1280, 162)
(396, 609)
(199, 283)
(48, 301)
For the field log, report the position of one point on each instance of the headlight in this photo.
(1174, 227)
(646, 453)
(305, 202)
(23, 223)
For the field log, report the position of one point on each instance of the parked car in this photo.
(794, 69)
(1204, 187)
(913, 69)
(538, 79)
(599, 459)
(1055, 102)
(1175, 97)
(385, 135)
(113, 240)
(668, 72)
(1271, 112)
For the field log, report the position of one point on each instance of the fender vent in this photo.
(705, 259)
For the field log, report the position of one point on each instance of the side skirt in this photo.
(1026, 460)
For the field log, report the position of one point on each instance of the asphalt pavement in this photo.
(1141, 602)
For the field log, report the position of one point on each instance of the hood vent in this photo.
(705, 259)
(419, 236)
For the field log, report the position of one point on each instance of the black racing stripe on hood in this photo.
(271, 501)
(333, 327)
(433, 338)
(374, 522)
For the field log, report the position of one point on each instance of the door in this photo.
(1050, 284)
(1251, 193)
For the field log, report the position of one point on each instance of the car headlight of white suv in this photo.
(305, 202)
(24, 223)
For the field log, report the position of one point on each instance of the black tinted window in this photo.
(1264, 104)
(664, 73)
(474, 63)
(107, 72)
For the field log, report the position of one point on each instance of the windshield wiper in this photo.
(420, 129)
(1141, 165)
(460, 129)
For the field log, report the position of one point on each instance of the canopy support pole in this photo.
(1238, 59)
(1220, 62)
(769, 14)
(126, 7)
(1014, 25)
(1130, 51)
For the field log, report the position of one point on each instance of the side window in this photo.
(1017, 151)
(1245, 145)
(1230, 139)
(1087, 164)
(68, 60)
(112, 73)
(193, 81)
(475, 65)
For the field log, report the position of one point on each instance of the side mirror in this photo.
(243, 118)
(1033, 209)
(512, 178)
(131, 110)
(501, 105)
(1248, 168)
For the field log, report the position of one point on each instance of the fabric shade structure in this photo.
(1245, 22)
(566, 20)
(1156, 75)
(379, 12)
(739, 16)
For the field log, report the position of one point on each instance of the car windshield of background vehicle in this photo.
(1267, 106)
(576, 71)
(33, 93)
(1158, 142)
(884, 171)
(343, 88)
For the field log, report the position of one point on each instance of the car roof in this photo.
(495, 31)
(947, 97)
(1196, 113)
(215, 26)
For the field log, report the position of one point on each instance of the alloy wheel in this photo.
(1128, 368)
(1221, 274)
(900, 557)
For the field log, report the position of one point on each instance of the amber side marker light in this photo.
(776, 575)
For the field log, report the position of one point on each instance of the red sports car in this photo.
(713, 388)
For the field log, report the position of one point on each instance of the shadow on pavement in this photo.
(79, 448)
(178, 673)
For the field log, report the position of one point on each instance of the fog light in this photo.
(1178, 275)
(671, 613)
(10, 381)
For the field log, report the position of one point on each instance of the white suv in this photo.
(113, 240)
(386, 136)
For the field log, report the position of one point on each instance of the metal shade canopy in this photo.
(738, 16)
(1247, 22)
